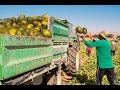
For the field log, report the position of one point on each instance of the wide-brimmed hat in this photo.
(103, 35)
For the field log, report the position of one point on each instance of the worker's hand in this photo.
(90, 35)
(81, 35)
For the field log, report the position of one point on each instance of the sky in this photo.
(94, 17)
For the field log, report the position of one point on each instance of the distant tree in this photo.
(118, 36)
(95, 35)
(110, 35)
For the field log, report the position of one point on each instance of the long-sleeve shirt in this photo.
(104, 58)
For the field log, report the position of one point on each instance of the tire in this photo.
(73, 60)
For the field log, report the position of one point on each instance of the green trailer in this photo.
(24, 58)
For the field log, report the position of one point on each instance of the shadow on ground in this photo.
(84, 79)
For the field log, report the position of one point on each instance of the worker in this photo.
(113, 47)
(104, 59)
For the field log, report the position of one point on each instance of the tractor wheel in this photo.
(73, 60)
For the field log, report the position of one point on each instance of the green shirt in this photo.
(103, 53)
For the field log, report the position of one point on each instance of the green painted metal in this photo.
(60, 37)
(22, 55)
(19, 54)
(60, 31)
(59, 50)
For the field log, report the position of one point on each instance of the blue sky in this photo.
(94, 17)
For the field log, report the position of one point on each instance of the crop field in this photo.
(87, 73)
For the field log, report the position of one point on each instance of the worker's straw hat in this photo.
(104, 35)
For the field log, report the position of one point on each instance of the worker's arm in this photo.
(92, 44)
